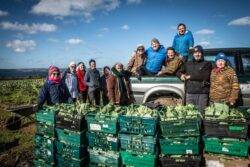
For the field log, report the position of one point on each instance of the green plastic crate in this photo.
(138, 125)
(45, 154)
(180, 128)
(44, 142)
(138, 160)
(180, 146)
(46, 115)
(227, 146)
(71, 162)
(45, 130)
(102, 123)
(138, 143)
(42, 163)
(103, 141)
(72, 151)
(107, 158)
(71, 137)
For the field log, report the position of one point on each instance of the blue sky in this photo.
(39, 33)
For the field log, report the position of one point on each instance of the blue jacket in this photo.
(182, 43)
(155, 59)
(53, 93)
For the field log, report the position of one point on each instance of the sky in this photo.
(40, 33)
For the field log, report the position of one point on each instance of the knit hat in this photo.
(72, 63)
(53, 69)
(155, 40)
(140, 46)
(199, 48)
(221, 56)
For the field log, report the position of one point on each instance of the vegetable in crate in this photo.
(140, 110)
(179, 112)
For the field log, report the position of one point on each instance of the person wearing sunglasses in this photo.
(137, 61)
(54, 90)
(70, 79)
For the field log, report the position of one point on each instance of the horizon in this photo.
(39, 33)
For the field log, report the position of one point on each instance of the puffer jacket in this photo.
(155, 59)
(53, 93)
(71, 81)
(224, 85)
(136, 62)
(182, 43)
(119, 88)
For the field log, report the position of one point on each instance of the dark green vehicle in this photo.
(170, 89)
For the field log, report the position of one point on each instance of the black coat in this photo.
(53, 93)
(199, 72)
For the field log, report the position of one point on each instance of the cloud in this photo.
(134, 1)
(30, 29)
(74, 41)
(105, 29)
(3, 13)
(21, 46)
(125, 27)
(243, 21)
(205, 32)
(54, 40)
(65, 8)
(205, 43)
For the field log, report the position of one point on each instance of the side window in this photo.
(246, 62)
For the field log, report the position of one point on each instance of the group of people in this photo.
(203, 82)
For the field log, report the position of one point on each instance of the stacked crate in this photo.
(102, 138)
(226, 130)
(180, 136)
(71, 141)
(45, 137)
(138, 137)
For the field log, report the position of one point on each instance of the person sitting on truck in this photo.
(69, 77)
(137, 61)
(156, 55)
(82, 86)
(172, 63)
(196, 74)
(224, 82)
(104, 89)
(183, 41)
(54, 90)
(92, 79)
(119, 86)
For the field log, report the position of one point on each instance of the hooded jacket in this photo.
(82, 86)
(136, 62)
(172, 65)
(119, 88)
(71, 81)
(155, 59)
(199, 72)
(182, 43)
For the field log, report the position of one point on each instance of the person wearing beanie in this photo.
(69, 77)
(156, 55)
(183, 41)
(92, 79)
(224, 82)
(82, 86)
(104, 89)
(172, 63)
(119, 86)
(137, 61)
(196, 75)
(54, 90)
